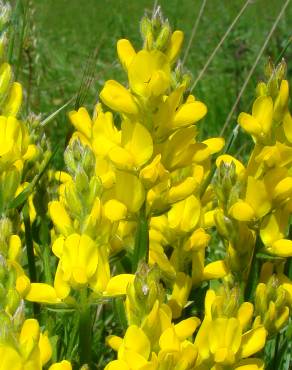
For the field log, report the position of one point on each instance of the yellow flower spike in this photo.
(42, 293)
(215, 270)
(115, 210)
(45, 348)
(149, 73)
(82, 122)
(79, 259)
(118, 98)
(175, 45)
(60, 218)
(253, 341)
(185, 215)
(186, 328)
(188, 114)
(180, 294)
(126, 53)
(63, 365)
(119, 284)
(14, 100)
(133, 199)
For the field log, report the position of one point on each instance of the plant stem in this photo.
(85, 330)
(30, 253)
(141, 251)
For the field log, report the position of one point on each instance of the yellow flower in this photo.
(31, 350)
(260, 122)
(149, 73)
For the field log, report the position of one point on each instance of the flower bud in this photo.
(12, 301)
(5, 81)
(163, 37)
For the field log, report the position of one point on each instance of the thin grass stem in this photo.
(214, 52)
(194, 30)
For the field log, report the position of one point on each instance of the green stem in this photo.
(85, 330)
(277, 342)
(30, 253)
(253, 273)
(141, 250)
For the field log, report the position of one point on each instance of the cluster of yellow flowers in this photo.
(23, 346)
(139, 184)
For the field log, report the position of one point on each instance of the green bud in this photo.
(94, 190)
(6, 328)
(261, 303)
(19, 315)
(6, 80)
(3, 269)
(224, 224)
(269, 68)
(146, 32)
(3, 43)
(272, 286)
(162, 40)
(261, 89)
(88, 162)
(167, 361)
(231, 303)
(281, 70)
(9, 183)
(281, 299)
(13, 300)
(73, 200)
(81, 180)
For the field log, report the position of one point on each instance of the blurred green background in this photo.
(62, 35)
